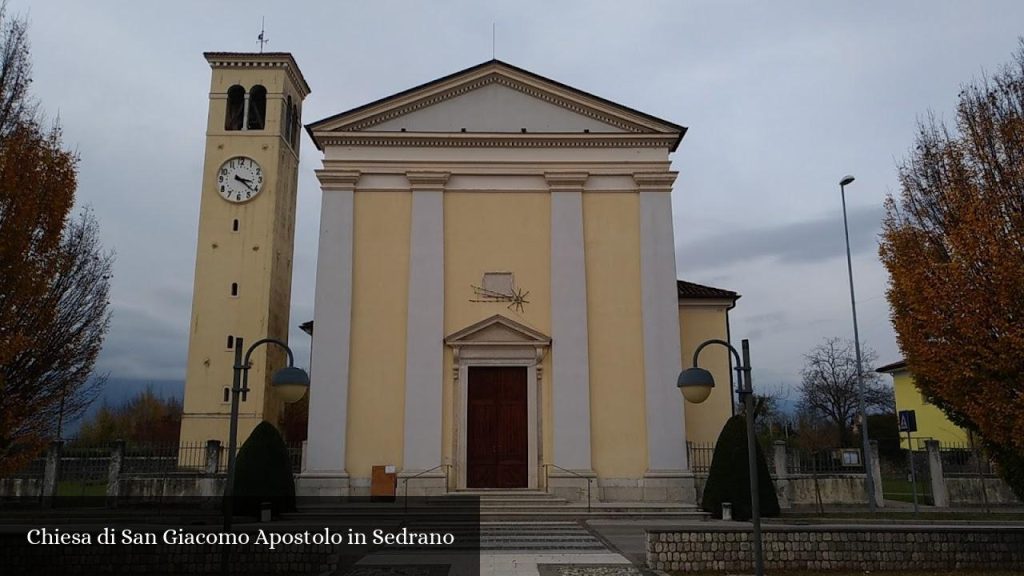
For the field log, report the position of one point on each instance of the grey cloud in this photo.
(800, 243)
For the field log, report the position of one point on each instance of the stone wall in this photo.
(867, 548)
(799, 489)
(21, 487)
(966, 491)
(170, 486)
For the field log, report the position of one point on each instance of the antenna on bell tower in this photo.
(262, 38)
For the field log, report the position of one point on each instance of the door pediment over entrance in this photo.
(498, 331)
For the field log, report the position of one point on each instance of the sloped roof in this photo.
(894, 367)
(692, 290)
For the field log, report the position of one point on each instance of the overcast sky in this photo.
(782, 99)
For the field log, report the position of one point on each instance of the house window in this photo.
(234, 225)
(231, 342)
(236, 108)
(234, 288)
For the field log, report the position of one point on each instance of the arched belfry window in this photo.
(257, 107)
(235, 112)
(287, 113)
(295, 126)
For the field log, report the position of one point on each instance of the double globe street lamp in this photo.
(289, 383)
(696, 383)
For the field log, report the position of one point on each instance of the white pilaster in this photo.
(424, 344)
(666, 436)
(570, 365)
(332, 314)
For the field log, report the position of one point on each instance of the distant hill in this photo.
(117, 390)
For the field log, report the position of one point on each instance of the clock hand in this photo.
(248, 183)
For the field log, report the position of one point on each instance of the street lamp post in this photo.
(696, 383)
(869, 483)
(290, 383)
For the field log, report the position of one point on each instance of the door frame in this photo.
(532, 430)
(498, 341)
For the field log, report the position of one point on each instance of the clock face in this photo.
(239, 179)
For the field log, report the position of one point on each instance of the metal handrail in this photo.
(547, 480)
(405, 482)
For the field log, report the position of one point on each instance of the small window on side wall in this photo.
(235, 111)
(257, 107)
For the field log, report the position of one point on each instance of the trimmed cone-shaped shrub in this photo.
(263, 473)
(729, 478)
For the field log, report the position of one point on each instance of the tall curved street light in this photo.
(696, 383)
(290, 383)
(869, 483)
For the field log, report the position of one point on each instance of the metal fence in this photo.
(798, 461)
(35, 468)
(824, 461)
(88, 464)
(700, 455)
(962, 459)
(83, 471)
(156, 459)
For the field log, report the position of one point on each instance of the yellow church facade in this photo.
(497, 303)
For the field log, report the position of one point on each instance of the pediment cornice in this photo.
(498, 331)
(342, 129)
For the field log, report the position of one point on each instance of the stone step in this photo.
(560, 536)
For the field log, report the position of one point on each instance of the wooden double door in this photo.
(497, 448)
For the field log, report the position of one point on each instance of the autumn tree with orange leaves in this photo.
(953, 244)
(54, 275)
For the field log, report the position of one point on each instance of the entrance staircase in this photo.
(527, 504)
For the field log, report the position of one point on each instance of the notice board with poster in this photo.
(383, 483)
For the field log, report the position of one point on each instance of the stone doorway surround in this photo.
(498, 341)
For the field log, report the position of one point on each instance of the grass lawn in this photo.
(900, 489)
(76, 488)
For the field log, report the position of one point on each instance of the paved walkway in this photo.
(588, 548)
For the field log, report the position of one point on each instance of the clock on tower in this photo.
(246, 231)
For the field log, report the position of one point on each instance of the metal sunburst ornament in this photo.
(518, 299)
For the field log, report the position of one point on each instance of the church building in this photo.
(497, 303)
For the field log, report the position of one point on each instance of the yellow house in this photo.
(932, 423)
(497, 304)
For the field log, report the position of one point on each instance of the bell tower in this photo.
(243, 270)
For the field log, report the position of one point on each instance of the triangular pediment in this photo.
(497, 331)
(495, 98)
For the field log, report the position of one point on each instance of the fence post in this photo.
(114, 472)
(51, 474)
(212, 457)
(876, 473)
(781, 474)
(940, 497)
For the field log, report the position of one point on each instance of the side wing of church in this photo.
(497, 303)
